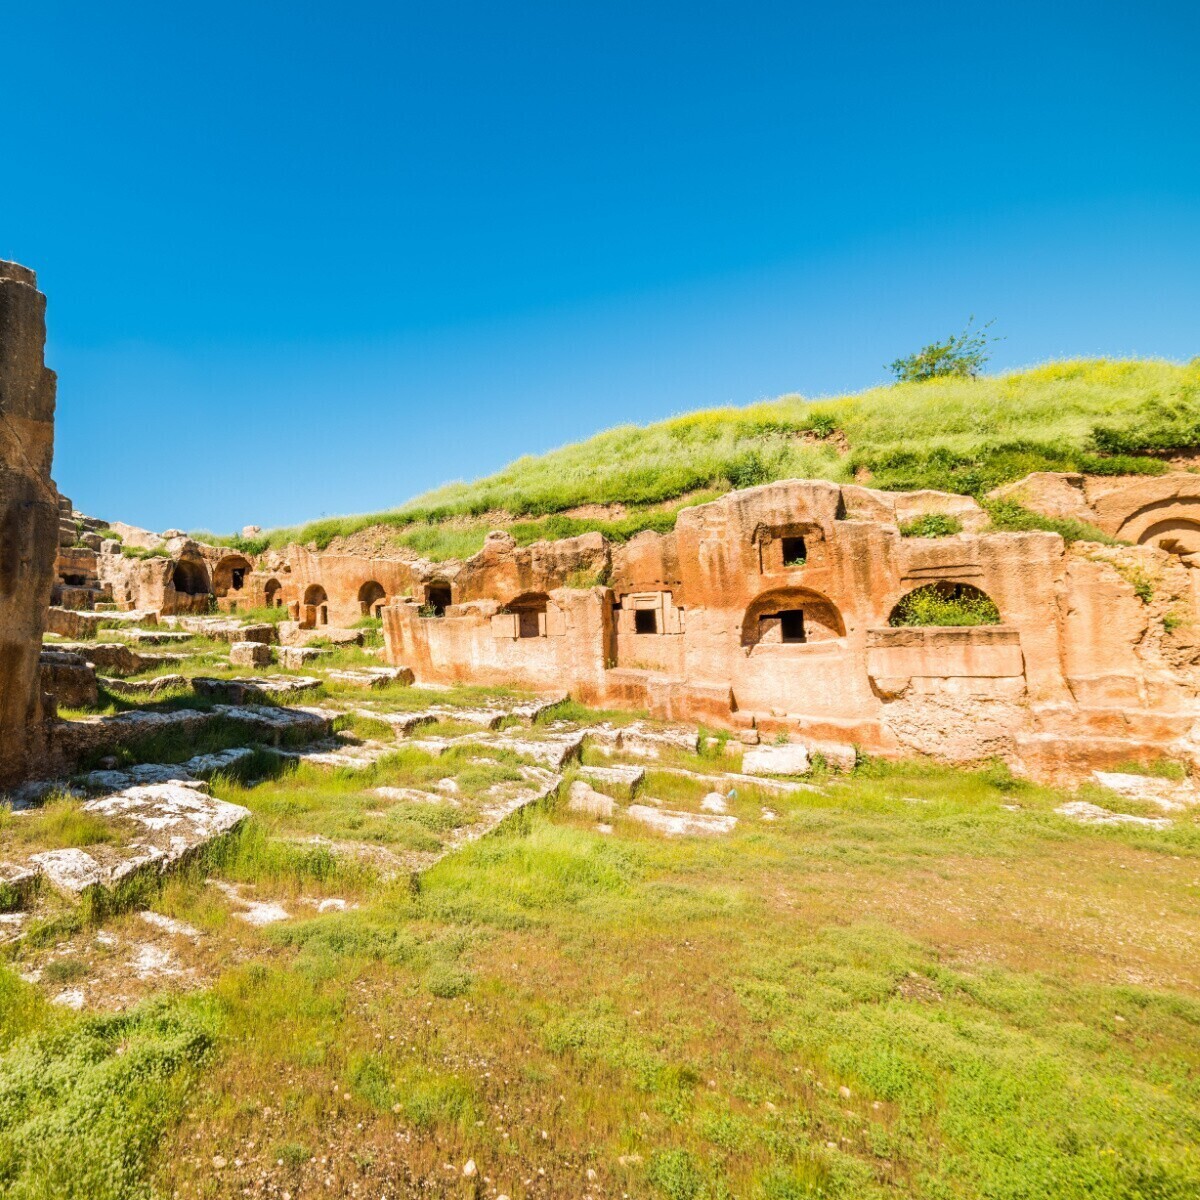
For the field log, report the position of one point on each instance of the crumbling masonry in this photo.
(28, 517)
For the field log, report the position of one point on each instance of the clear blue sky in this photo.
(313, 258)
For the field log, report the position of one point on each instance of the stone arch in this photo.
(189, 577)
(1174, 528)
(1162, 511)
(229, 575)
(316, 607)
(273, 592)
(371, 598)
(530, 609)
(945, 604)
(789, 616)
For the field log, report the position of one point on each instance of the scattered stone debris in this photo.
(253, 912)
(1168, 794)
(1093, 814)
(678, 824)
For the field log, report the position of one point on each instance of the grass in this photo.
(942, 604)
(867, 998)
(58, 824)
(1101, 416)
(931, 525)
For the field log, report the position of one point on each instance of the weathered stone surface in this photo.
(29, 517)
(157, 826)
(295, 658)
(201, 767)
(69, 678)
(371, 677)
(1168, 794)
(582, 798)
(1093, 814)
(618, 776)
(680, 824)
(775, 760)
(250, 654)
(148, 688)
(247, 691)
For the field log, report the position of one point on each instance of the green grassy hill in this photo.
(1101, 416)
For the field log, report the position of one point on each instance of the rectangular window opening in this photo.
(527, 624)
(792, 625)
(795, 553)
(645, 620)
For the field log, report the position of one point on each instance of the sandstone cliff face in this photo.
(28, 515)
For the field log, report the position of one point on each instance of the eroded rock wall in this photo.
(29, 516)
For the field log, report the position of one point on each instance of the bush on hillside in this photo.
(960, 356)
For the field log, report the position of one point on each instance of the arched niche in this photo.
(189, 577)
(371, 598)
(791, 616)
(316, 606)
(945, 605)
(229, 575)
(273, 592)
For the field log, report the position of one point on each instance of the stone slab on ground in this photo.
(370, 677)
(163, 822)
(1093, 814)
(617, 776)
(1169, 794)
(681, 824)
(150, 688)
(643, 740)
(582, 798)
(554, 750)
(791, 759)
(267, 721)
(119, 658)
(202, 766)
(225, 629)
(153, 637)
(336, 752)
(254, 688)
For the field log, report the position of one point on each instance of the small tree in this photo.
(960, 356)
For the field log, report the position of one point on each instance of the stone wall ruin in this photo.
(29, 516)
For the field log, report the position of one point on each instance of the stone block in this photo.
(250, 654)
(582, 798)
(775, 760)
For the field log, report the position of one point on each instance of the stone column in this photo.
(28, 517)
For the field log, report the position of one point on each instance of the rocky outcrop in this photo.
(29, 516)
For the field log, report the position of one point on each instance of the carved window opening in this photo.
(791, 623)
(795, 552)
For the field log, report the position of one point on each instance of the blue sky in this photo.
(306, 259)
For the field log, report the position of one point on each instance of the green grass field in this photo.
(959, 435)
(917, 982)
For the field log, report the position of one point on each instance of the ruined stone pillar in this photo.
(28, 516)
